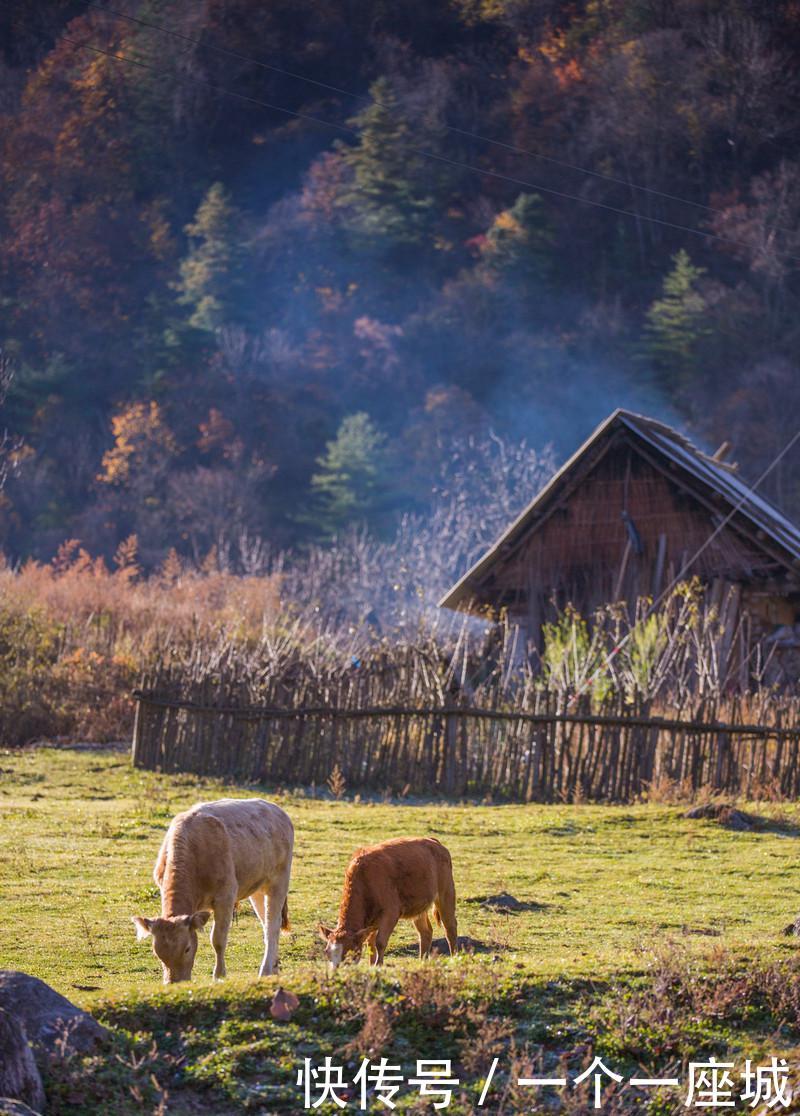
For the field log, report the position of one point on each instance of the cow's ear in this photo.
(324, 932)
(198, 921)
(144, 927)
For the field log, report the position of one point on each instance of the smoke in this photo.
(362, 278)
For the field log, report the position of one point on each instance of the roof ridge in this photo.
(671, 443)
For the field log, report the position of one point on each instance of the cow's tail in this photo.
(285, 924)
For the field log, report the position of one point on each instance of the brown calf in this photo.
(401, 878)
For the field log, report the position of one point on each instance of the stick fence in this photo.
(536, 752)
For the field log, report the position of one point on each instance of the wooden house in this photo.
(633, 508)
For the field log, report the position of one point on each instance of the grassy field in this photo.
(616, 897)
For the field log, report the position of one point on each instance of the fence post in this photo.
(136, 739)
(450, 746)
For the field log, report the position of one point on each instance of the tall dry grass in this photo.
(107, 610)
(75, 636)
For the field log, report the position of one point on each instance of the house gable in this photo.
(622, 518)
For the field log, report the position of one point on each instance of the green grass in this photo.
(608, 887)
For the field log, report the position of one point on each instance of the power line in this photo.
(457, 163)
(686, 567)
(465, 132)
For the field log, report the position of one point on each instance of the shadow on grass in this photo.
(439, 947)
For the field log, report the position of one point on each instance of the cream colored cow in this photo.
(213, 856)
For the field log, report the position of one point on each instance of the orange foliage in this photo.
(98, 630)
(139, 431)
(555, 48)
(114, 614)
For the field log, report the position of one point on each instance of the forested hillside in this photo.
(267, 266)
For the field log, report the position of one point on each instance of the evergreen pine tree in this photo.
(676, 325)
(210, 274)
(392, 201)
(350, 485)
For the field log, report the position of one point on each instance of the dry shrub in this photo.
(525, 1062)
(359, 1001)
(439, 996)
(375, 1034)
(579, 1100)
(766, 790)
(337, 784)
(490, 1041)
(75, 636)
(668, 792)
(434, 993)
(501, 931)
(122, 613)
(118, 1080)
(683, 1000)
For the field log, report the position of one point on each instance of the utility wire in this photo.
(496, 175)
(466, 133)
(686, 567)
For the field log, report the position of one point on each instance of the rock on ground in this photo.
(9, 1107)
(19, 1075)
(52, 1023)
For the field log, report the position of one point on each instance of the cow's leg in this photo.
(258, 901)
(385, 926)
(425, 931)
(446, 906)
(276, 897)
(261, 906)
(223, 916)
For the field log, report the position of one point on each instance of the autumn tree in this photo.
(212, 507)
(519, 242)
(134, 473)
(257, 273)
(764, 234)
(6, 375)
(142, 443)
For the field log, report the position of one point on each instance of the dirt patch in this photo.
(507, 903)
(731, 817)
(728, 816)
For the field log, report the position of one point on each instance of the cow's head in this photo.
(338, 943)
(174, 941)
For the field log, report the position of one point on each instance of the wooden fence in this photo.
(539, 754)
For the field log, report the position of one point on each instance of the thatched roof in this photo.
(754, 516)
